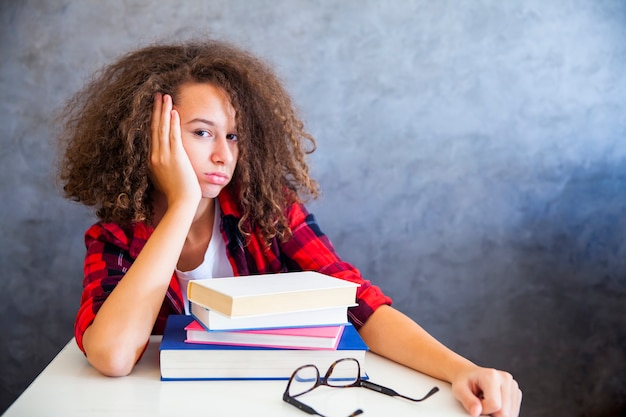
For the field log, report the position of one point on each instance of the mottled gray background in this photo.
(472, 156)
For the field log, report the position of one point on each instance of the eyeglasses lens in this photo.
(343, 373)
(304, 380)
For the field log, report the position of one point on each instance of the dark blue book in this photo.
(194, 361)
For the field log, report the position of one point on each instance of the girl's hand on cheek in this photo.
(170, 168)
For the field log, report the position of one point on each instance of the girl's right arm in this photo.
(117, 337)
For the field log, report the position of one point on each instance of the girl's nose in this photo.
(222, 152)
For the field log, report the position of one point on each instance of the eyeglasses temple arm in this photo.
(389, 391)
(378, 388)
(301, 406)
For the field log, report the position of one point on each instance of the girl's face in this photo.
(209, 134)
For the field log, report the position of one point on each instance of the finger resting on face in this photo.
(155, 123)
(175, 133)
(164, 122)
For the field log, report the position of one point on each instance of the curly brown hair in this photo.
(105, 134)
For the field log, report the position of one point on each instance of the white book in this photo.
(212, 320)
(272, 293)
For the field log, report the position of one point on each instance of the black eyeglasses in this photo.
(343, 373)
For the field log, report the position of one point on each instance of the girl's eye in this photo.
(203, 133)
(232, 137)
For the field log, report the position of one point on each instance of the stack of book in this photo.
(260, 327)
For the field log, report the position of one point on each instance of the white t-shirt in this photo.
(215, 263)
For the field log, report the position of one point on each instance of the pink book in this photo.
(322, 338)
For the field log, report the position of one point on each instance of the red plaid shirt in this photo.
(111, 250)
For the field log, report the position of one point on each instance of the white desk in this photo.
(69, 386)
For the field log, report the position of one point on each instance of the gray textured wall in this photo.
(472, 155)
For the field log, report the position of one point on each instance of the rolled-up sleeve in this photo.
(107, 259)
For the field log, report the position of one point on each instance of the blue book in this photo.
(194, 361)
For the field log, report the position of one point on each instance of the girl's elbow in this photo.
(113, 362)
